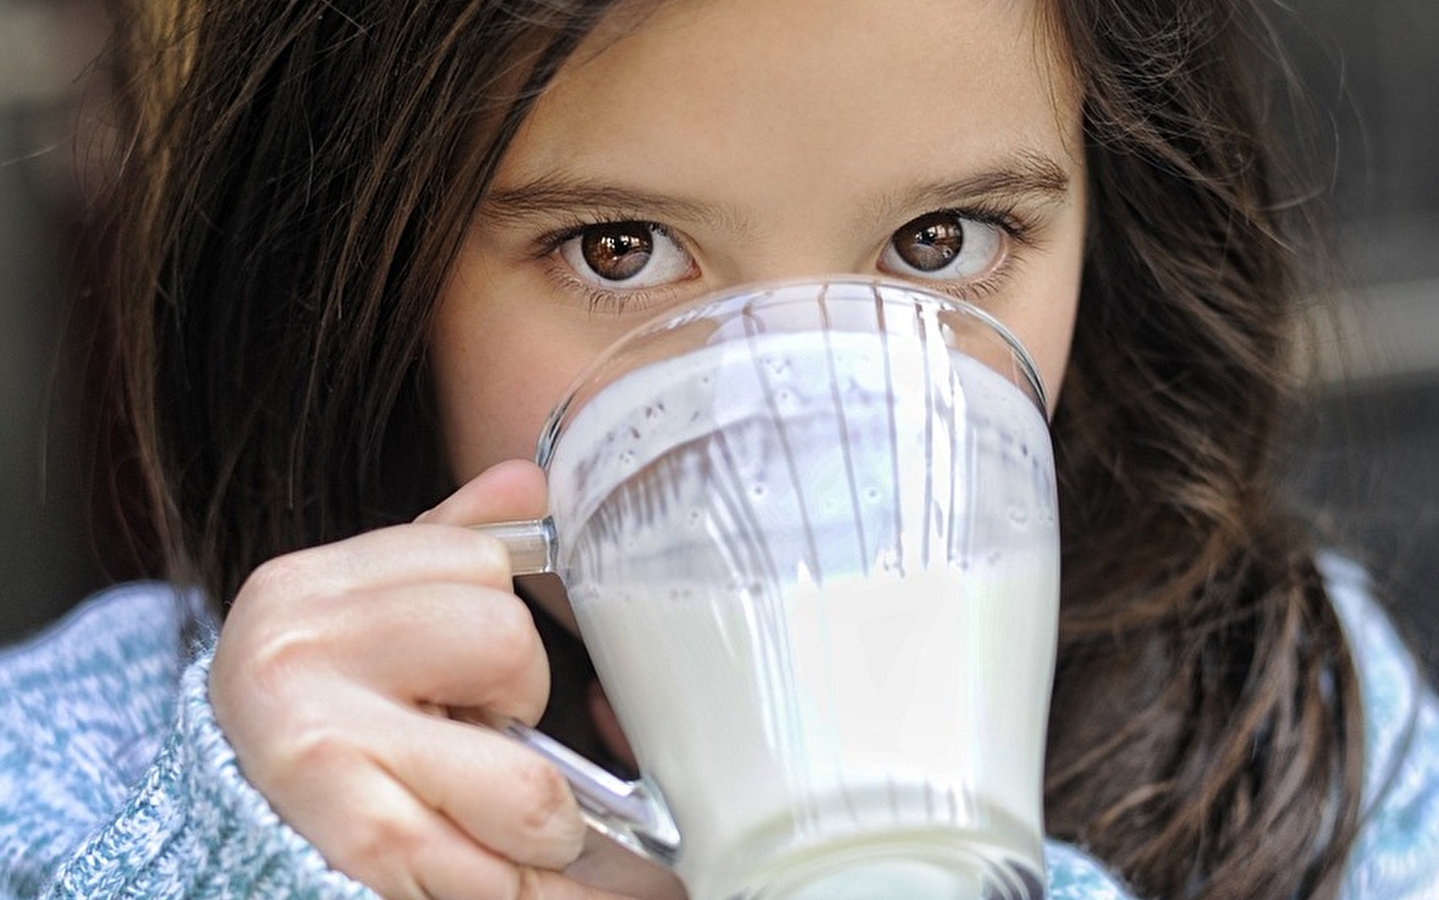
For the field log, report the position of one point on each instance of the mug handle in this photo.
(531, 543)
(631, 813)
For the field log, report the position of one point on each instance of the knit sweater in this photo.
(115, 779)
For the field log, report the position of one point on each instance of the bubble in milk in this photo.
(777, 366)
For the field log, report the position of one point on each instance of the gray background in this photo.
(1364, 468)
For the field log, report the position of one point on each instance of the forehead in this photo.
(731, 103)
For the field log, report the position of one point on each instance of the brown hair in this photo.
(299, 184)
(1206, 736)
(300, 181)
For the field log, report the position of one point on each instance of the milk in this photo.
(819, 579)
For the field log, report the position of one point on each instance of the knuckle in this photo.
(298, 579)
(315, 746)
(309, 746)
(549, 815)
(281, 622)
(278, 576)
(514, 639)
(382, 845)
(277, 654)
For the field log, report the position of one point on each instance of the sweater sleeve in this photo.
(1396, 855)
(115, 779)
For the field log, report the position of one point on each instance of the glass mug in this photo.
(809, 532)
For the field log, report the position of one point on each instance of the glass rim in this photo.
(882, 291)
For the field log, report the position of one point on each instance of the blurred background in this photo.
(47, 90)
(1365, 466)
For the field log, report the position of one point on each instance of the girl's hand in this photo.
(342, 678)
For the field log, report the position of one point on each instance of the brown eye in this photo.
(617, 251)
(944, 244)
(930, 242)
(632, 255)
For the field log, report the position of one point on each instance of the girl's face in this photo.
(718, 142)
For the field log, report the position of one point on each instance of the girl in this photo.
(364, 246)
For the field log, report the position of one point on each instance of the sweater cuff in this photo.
(196, 827)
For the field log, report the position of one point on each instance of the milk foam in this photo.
(838, 625)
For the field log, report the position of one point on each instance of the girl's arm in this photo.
(115, 779)
(109, 786)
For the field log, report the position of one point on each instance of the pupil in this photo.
(931, 242)
(617, 251)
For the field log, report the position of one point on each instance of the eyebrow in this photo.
(545, 195)
(1024, 177)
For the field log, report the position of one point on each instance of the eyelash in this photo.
(1019, 231)
(598, 299)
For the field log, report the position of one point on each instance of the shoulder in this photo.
(1397, 852)
(1073, 874)
(1393, 690)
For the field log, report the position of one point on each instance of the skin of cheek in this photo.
(494, 395)
(504, 352)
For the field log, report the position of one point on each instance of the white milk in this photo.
(834, 633)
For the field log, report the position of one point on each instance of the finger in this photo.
(398, 555)
(377, 832)
(452, 867)
(400, 848)
(499, 880)
(381, 797)
(451, 645)
(537, 884)
(426, 645)
(498, 792)
(514, 489)
(445, 810)
(605, 864)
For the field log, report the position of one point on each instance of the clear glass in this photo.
(809, 532)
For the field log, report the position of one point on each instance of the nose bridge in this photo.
(802, 246)
(798, 213)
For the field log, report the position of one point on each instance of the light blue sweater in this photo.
(116, 781)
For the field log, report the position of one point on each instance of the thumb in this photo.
(513, 489)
